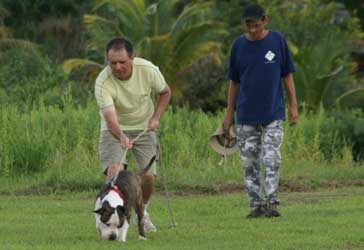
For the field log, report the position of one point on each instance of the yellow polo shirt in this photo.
(132, 98)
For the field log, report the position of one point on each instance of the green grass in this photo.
(329, 219)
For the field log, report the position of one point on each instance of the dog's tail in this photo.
(150, 164)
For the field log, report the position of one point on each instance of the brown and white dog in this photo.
(114, 204)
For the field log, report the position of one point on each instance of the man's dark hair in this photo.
(253, 12)
(120, 43)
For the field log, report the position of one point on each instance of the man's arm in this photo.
(162, 104)
(229, 115)
(113, 125)
(291, 92)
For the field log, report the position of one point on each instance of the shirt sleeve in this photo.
(103, 95)
(287, 65)
(233, 73)
(158, 83)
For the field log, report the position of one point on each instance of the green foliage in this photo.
(321, 45)
(205, 86)
(61, 146)
(25, 75)
(230, 12)
(350, 128)
(172, 39)
(55, 25)
(43, 137)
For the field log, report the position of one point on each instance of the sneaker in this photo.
(272, 211)
(256, 212)
(148, 225)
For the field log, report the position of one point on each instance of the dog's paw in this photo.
(141, 237)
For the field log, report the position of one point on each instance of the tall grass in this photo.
(58, 147)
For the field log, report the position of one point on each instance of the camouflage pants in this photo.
(260, 144)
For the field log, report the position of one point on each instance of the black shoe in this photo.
(256, 212)
(272, 211)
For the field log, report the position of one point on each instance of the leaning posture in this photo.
(124, 92)
(259, 61)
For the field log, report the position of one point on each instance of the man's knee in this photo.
(112, 170)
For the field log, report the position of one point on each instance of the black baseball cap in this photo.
(253, 12)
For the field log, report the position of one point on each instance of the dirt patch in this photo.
(219, 188)
(294, 185)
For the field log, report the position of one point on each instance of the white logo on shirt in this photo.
(270, 55)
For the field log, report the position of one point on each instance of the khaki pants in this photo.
(143, 149)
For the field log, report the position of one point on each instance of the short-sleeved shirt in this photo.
(132, 98)
(258, 67)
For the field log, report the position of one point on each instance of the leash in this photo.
(112, 181)
(132, 141)
(173, 222)
(164, 181)
(223, 159)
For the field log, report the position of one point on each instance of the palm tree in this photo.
(323, 71)
(321, 44)
(170, 39)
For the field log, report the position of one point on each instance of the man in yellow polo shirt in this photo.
(124, 91)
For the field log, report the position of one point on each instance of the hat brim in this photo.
(218, 145)
(218, 148)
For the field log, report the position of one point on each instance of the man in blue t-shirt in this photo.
(259, 61)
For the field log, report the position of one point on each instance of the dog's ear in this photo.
(99, 211)
(104, 207)
(121, 211)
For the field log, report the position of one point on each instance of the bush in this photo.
(351, 130)
(25, 75)
(206, 87)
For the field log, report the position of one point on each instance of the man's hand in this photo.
(227, 122)
(292, 115)
(291, 92)
(125, 142)
(153, 124)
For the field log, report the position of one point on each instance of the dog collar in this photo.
(117, 190)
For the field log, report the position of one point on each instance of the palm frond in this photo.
(101, 30)
(193, 13)
(126, 15)
(193, 42)
(322, 65)
(348, 94)
(71, 64)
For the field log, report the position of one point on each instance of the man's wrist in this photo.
(156, 116)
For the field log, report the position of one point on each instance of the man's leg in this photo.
(249, 140)
(272, 140)
(111, 154)
(112, 171)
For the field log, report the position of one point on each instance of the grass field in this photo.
(326, 219)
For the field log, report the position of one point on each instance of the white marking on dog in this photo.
(111, 227)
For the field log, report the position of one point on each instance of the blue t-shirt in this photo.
(258, 66)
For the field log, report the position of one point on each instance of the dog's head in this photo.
(110, 215)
